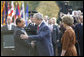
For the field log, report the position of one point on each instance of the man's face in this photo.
(29, 21)
(81, 19)
(22, 24)
(53, 21)
(50, 21)
(36, 21)
(75, 13)
(32, 19)
(9, 21)
(45, 18)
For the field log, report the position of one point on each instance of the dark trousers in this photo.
(78, 49)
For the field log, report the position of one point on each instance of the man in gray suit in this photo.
(21, 46)
(43, 37)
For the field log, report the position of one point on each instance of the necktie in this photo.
(38, 28)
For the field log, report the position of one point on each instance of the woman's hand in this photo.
(63, 52)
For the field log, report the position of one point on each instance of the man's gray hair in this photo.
(38, 16)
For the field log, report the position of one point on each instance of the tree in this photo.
(31, 4)
(49, 8)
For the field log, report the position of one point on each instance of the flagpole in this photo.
(1, 12)
(27, 14)
(2, 9)
(23, 10)
(4, 14)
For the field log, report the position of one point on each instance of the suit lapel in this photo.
(40, 27)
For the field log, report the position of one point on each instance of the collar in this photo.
(20, 27)
(40, 24)
(81, 23)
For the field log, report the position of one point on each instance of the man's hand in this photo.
(24, 36)
(32, 44)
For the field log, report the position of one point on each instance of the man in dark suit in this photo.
(79, 36)
(55, 38)
(31, 29)
(43, 37)
(21, 46)
(66, 8)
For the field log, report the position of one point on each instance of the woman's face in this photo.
(64, 25)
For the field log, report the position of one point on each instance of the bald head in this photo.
(46, 18)
(20, 22)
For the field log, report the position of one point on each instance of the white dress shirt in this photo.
(50, 27)
(9, 26)
(46, 22)
(40, 24)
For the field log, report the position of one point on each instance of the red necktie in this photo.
(38, 28)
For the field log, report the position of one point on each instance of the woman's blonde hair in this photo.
(67, 19)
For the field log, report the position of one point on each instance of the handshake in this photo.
(23, 36)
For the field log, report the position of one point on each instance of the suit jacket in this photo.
(31, 29)
(55, 35)
(21, 46)
(44, 42)
(79, 37)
